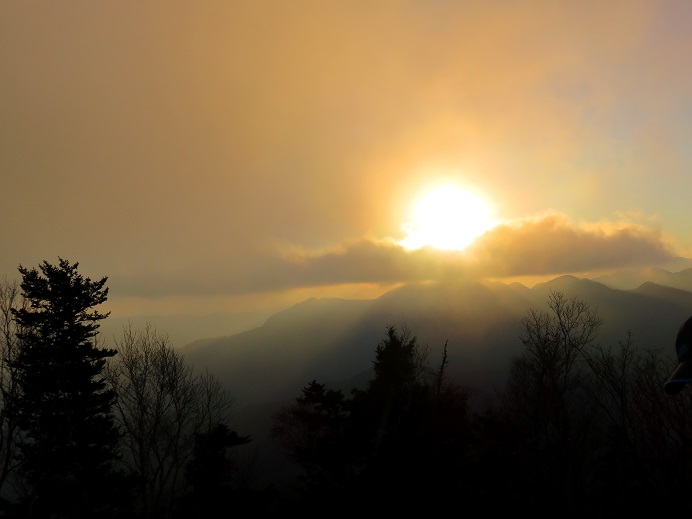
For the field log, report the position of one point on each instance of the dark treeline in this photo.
(579, 430)
(88, 431)
(133, 431)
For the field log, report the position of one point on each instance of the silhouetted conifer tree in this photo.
(312, 431)
(397, 446)
(412, 431)
(64, 408)
(210, 473)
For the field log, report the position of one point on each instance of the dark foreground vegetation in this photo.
(134, 432)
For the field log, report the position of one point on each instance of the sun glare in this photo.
(448, 218)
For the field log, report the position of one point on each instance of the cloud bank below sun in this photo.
(546, 245)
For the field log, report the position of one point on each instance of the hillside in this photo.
(333, 340)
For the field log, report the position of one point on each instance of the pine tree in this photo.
(64, 410)
(210, 472)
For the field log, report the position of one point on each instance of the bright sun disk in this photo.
(448, 218)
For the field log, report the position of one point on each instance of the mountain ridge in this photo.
(332, 339)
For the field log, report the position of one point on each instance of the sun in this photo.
(447, 218)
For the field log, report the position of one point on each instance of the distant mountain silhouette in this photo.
(333, 340)
(630, 279)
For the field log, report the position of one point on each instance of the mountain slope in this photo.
(631, 279)
(333, 340)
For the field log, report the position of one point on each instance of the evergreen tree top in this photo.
(60, 290)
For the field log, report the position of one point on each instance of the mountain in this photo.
(630, 279)
(333, 341)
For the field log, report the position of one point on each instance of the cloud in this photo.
(550, 244)
(545, 245)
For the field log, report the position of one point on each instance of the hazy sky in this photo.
(220, 155)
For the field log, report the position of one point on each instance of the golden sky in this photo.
(224, 154)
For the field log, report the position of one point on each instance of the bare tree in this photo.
(545, 395)
(649, 432)
(10, 297)
(162, 404)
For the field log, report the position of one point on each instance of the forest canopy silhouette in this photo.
(137, 431)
